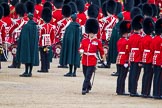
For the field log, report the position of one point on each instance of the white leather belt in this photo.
(145, 50)
(46, 35)
(135, 49)
(121, 52)
(157, 52)
(87, 53)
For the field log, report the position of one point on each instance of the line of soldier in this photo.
(52, 18)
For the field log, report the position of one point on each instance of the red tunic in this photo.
(156, 47)
(81, 18)
(123, 52)
(15, 29)
(57, 14)
(46, 34)
(90, 48)
(135, 48)
(2, 32)
(126, 15)
(8, 22)
(146, 48)
(38, 11)
(107, 26)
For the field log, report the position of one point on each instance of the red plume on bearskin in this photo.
(124, 27)
(148, 25)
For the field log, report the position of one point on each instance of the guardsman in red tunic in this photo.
(128, 5)
(123, 56)
(38, 9)
(2, 33)
(89, 47)
(157, 58)
(46, 39)
(57, 12)
(8, 22)
(135, 55)
(81, 16)
(12, 8)
(148, 28)
(15, 30)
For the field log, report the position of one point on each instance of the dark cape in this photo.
(71, 43)
(112, 54)
(27, 50)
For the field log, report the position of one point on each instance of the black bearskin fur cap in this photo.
(147, 10)
(135, 11)
(29, 6)
(20, 9)
(58, 3)
(80, 5)
(137, 22)
(93, 11)
(1, 12)
(124, 27)
(158, 27)
(46, 14)
(111, 6)
(148, 25)
(66, 10)
(6, 8)
(91, 26)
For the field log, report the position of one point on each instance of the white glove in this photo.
(81, 51)
(126, 65)
(105, 62)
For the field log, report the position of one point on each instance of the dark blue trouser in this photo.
(156, 80)
(133, 77)
(44, 59)
(121, 79)
(87, 71)
(147, 79)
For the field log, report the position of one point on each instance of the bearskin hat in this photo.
(104, 8)
(1, 11)
(137, 2)
(66, 10)
(91, 26)
(111, 6)
(135, 11)
(155, 10)
(147, 10)
(73, 7)
(38, 1)
(158, 27)
(1, 1)
(67, 1)
(29, 7)
(6, 8)
(34, 1)
(124, 27)
(128, 5)
(137, 22)
(58, 3)
(96, 2)
(20, 9)
(14, 2)
(93, 11)
(80, 5)
(46, 14)
(47, 4)
(118, 8)
(23, 1)
(144, 1)
(148, 25)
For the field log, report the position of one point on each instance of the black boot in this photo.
(69, 74)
